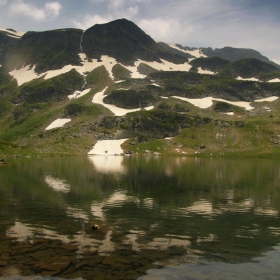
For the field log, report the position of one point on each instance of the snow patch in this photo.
(155, 85)
(107, 147)
(78, 94)
(98, 99)
(165, 65)
(15, 33)
(13, 36)
(58, 123)
(196, 53)
(201, 71)
(53, 73)
(277, 80)
(248, 79)
(207, 102)
(268, 99)
(25, 74)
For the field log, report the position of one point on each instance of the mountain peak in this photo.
(121, 39)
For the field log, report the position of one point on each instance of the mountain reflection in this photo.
(151, 212)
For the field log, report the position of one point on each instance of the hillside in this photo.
(63, 91)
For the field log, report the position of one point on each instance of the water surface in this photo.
(158, 218)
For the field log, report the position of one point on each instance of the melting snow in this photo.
(207, 102)
(107, 147)
(196, 53)
(268, 99)
(248, 79)
(274, 81)
(58, 123)
(201, 71)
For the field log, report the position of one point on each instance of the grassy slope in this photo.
(239, 135)
(31, 138)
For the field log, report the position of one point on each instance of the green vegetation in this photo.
(27, 110)
(47, 50)
(194, 85)
(145, 69)
(120, 72)
(215, 64)
(224, 107)
(249, 67)
(55, 89)
(131, 99)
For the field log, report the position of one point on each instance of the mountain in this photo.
(63, 90)
(227, 53)
(250, 67)
(123, 40)
(230, 53)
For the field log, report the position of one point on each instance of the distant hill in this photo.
(250, 67)
(215, 64)
(227, 53)
(230, 53)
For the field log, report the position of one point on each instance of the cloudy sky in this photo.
(195, 23)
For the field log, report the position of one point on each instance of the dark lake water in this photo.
(157, 218)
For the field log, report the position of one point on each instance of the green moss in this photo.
(48, 50)
(55, 89)
(131, 99)
(120, 72)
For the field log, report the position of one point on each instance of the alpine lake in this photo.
(139, 217)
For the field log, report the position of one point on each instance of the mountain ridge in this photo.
(63, 90)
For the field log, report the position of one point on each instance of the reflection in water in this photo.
(82, 241)
(108, 164)
(57, 184)
(76, 213)
(176, 213)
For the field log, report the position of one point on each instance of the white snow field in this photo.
(207, 102)
(107, 147)
(58, 123)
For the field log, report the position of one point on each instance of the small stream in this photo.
(82, 52)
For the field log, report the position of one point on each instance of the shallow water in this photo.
(158, 218)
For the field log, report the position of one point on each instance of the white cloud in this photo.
(3, 2)
(50, 10)
(53, 8)
(89, 21)
(165, 29)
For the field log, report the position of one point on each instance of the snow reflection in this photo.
(108, 164)
(57, 184)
